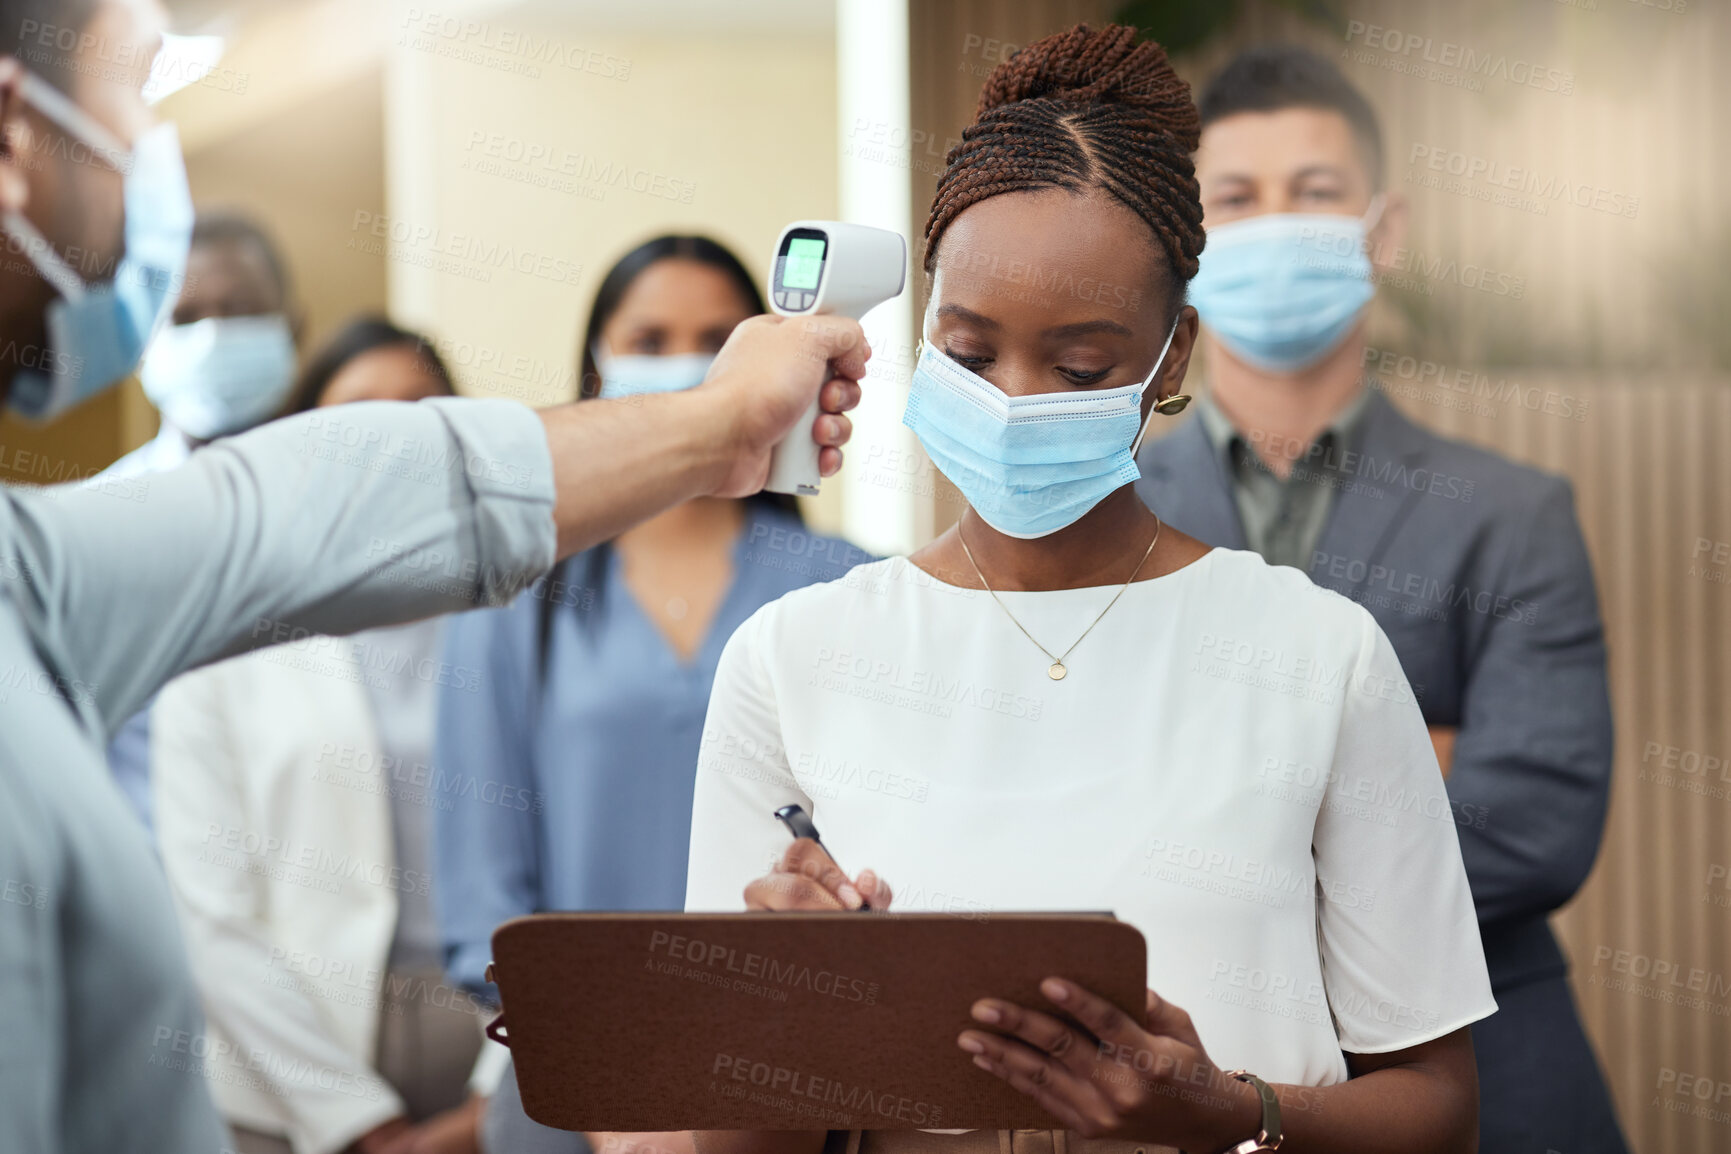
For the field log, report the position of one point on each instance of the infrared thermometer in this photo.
(827, 268)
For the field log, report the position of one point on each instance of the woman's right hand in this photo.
(807, 879)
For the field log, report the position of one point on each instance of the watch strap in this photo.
(1270, 1136)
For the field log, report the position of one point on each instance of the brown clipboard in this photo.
(779, 1021)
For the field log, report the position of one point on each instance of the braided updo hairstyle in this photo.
(1084, 109)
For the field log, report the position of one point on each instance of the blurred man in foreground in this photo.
(333, 521)
(225, 364)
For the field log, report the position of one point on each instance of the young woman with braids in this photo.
(1083, 710)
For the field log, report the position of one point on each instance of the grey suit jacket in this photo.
(1475, 568)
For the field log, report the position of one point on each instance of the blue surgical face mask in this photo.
(634, 375)
(1031, 465)
(1281, 291)
(220, 375)
(97, 332)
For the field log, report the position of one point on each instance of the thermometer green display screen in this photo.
(803, 264)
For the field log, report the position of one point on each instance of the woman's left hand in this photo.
(1114, 1077)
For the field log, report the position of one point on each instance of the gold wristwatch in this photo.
(1268, 1138)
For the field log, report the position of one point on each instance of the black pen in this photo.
(799, 824)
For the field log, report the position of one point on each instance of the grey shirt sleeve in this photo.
(328, 522)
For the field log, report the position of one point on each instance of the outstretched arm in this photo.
(370, 514)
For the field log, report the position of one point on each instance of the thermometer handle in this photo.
(793, 464)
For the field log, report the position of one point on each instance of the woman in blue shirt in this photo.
(568, 764)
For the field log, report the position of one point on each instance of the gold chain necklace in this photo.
(1057, 671)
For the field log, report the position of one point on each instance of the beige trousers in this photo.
(426, 1048)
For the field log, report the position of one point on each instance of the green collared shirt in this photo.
(1283, 520)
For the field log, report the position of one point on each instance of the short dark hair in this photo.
(22, 20)
(223, 226)
(361, 335)
(1270, 77)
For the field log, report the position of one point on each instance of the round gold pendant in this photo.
(1057, 671)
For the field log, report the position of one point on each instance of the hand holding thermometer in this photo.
(827, 267)
(799, 824)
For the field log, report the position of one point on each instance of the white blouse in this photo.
(1235, 765)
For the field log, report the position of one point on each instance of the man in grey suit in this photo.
(1473, 565)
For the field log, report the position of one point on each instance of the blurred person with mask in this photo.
(320, 523)
(587, 717)
(1473, 565)
(225, 363)
(323, 742)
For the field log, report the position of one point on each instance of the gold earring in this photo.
(1173, 405)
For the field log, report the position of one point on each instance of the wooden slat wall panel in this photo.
(1652, 478)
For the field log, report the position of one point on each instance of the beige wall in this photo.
(732, 135)
(302, 171)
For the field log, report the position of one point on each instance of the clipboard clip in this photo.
(496, 1028)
